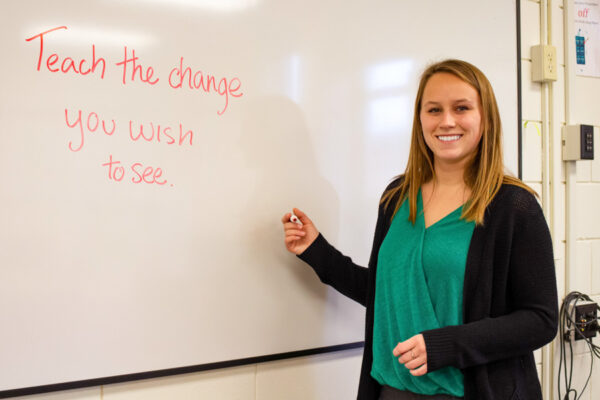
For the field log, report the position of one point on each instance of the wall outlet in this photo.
(543, 60)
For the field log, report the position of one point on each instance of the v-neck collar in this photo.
(421, 212)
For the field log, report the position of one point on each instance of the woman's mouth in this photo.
(449, 138)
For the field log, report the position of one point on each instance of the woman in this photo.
(461, 287)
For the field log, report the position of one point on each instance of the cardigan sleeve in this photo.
(339, 271)
(531, 300)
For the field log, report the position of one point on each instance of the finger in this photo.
(416, 363)
(403, 347)
(420, 343)
(292, 225)
(290, 240)
(294, 232)
(286, 218)
(412, 354)
(422, 370)
(415, 343)
(406, 357)
(303, 217)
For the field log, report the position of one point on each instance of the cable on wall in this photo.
(576, 325)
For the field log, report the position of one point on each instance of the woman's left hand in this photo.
(413, 354)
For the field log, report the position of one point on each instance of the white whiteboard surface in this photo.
(101, 277)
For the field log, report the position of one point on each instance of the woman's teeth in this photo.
(449, 138)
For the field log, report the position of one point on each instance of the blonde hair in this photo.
(485, 172)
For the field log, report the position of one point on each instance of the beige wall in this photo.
(335, 376)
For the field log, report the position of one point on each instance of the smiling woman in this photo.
(461, 287)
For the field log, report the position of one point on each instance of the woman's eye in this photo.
(462, 108)
(433, 110)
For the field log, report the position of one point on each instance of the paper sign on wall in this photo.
(587, 37)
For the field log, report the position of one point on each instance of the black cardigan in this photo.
(510, 305)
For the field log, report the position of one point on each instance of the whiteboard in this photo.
(124, 253)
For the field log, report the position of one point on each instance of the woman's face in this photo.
(451, 119)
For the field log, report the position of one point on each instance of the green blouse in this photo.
(419, 286)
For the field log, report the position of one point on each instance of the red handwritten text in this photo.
(144, 76)
(93, 121)
(160, 134)
(180, 77)
(150, 175)
(115, 171)
(68, 63)
(141, 174)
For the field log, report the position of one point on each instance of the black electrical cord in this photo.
(568, 325)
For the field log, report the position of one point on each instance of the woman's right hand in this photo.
(298, 237)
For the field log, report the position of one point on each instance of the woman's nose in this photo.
(447, 119)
